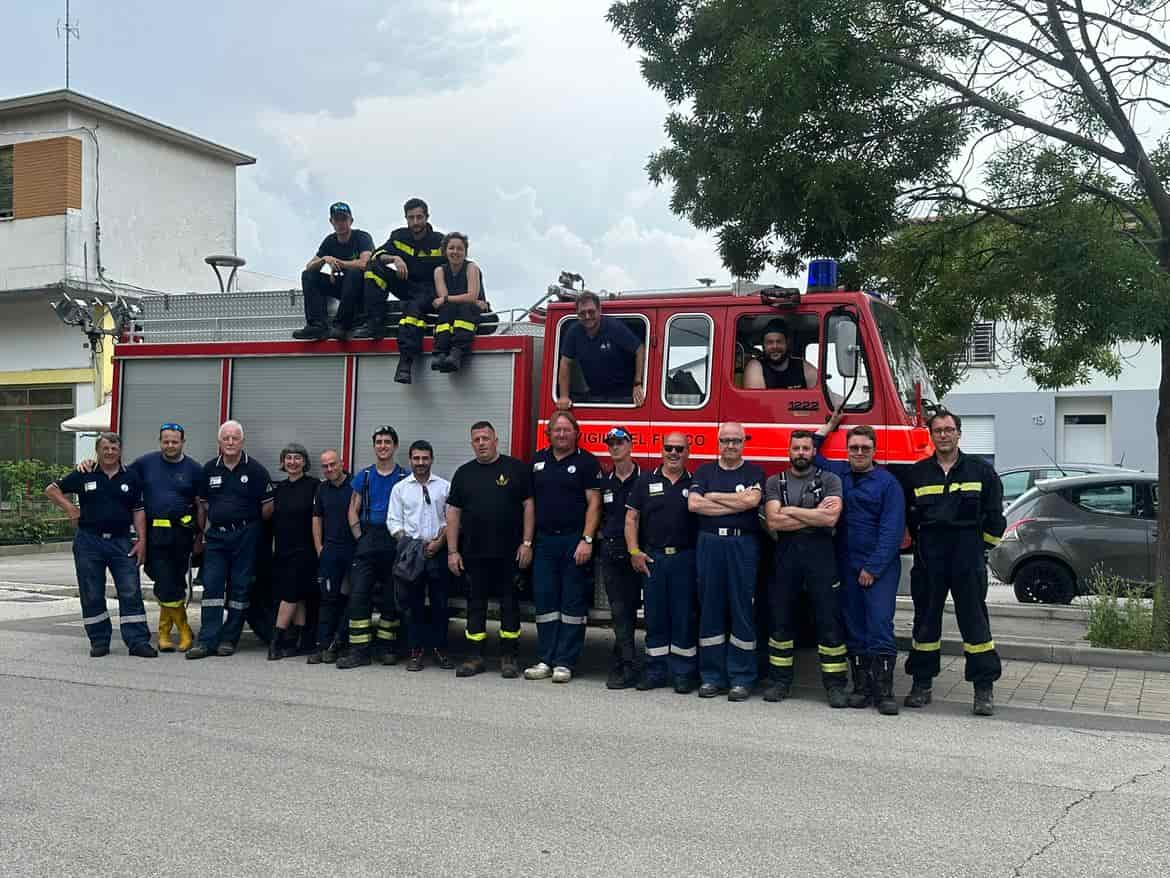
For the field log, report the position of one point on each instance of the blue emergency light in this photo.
(822, 275)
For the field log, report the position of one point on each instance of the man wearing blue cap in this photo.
(623, 584)
(335, 272)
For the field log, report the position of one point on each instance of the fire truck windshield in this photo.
(902, 355)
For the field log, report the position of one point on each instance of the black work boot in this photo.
(452, 361)
(862, 694)
(919, 695)
(369, 331)
(438, 361)
(292, 642)
(276, 644)
(777, 691)
(354, 657)
(402, 373)
(883, 684)
(311, 332)
(619, 676)
(984, 701)
(329, 653)
(339, 333)
(837, 697)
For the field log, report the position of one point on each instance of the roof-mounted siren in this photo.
(780, 297)
(822, 276)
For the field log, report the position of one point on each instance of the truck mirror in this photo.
(845, 346)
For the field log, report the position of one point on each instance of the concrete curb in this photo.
(1047, 612)
(1064, 654)
(35, 549)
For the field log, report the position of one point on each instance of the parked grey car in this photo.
(1017, 481)
(1064, 530)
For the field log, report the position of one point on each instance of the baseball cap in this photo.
(340, 208)
(619, 433)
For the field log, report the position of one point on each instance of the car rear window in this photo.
(1106, 499)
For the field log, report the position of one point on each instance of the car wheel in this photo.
(1046, 582)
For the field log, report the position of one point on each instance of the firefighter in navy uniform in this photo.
(346, 251)
(623, 584)
(373, 559)
(334, 543)
(566, 490)
(660, 537)
(802, 506)
(955, 514)
(170, 480)
(235, 495)
(404, 267)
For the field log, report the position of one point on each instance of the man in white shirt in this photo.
(418, 511)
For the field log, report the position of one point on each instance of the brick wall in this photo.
(46, 177)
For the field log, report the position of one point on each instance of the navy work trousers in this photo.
(332, 570)
(560, 589)
(727, 589)
(93, 555)
(425, 631)
(672, 630)
(868, 613)
(229, 558)
(317, 287)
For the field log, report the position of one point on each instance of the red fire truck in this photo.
(200, 359)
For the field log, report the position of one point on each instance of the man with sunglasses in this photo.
(726, 496)
(373, 560)
(623, 585)
(869, 534)
(345, 252)
(955, 515)
(660, 537)
(418, 511)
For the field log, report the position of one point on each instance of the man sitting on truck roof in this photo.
(611, 357)
(776, 370)
(345, 252)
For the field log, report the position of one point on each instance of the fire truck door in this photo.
(682, 397)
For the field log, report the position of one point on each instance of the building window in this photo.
(30, 423)
(981, 346)
(5, 182)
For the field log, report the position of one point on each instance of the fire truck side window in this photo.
(775, 338)
(579, 390)
(686, 380)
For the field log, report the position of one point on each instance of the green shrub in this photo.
(1119, 617)
(26, 515)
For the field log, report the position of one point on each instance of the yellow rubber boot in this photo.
(186, 636)
(165, 621)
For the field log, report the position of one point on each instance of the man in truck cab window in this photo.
(611, 357)
(776, 370)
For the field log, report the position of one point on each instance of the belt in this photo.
(668, 550)
(557, 531)
(727, 532)
(232, 525)
(103, 535)
(183, 521)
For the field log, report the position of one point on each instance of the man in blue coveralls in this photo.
(869, 534)
(110, 502)
(726, 496)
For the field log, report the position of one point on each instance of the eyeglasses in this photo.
(675, 449)
(944, 431)
(426, 495)
(861, 449)
(730, 441)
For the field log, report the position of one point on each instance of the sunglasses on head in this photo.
(176, 427)
(678, 449)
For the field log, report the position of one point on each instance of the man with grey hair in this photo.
(235, 495)
(110, 502)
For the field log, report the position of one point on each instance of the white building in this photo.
(94, 201)
(1005, 416)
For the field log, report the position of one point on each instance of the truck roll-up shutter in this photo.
(436, 407)
(182, 391)
(288, 399)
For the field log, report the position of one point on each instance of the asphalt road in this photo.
(243, 767)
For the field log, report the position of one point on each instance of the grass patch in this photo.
(1119, 616)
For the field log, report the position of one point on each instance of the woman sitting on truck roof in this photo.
(459, 299)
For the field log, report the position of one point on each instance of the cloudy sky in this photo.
(524, 124)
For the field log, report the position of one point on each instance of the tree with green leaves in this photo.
(1026, 131)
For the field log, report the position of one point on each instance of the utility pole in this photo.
(71, 31)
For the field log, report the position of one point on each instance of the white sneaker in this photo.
(539, 671)
(561, 675)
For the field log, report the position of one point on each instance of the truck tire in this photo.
(1046, 582)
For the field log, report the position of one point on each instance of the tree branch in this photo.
(996, 37)
(1116, 22)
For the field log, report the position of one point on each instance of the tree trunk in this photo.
(1162, 559)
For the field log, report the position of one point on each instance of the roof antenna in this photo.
(1053, 461)
(71, 30)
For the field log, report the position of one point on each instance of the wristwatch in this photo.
(588, 539)
(527, 544)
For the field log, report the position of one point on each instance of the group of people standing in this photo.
(427, 271)
(381, 548)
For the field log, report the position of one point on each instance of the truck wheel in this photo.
(1046, 582)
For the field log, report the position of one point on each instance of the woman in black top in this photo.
(459, 299)
(294, 561)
